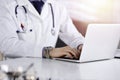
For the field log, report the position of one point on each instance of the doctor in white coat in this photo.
(26, 32)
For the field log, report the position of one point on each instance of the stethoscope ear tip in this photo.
(17, 31)
(31, 30)
(23, 31)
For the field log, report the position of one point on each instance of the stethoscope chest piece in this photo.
(53, 32)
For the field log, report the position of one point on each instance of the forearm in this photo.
(66, 51)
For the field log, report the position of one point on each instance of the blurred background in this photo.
(84, 12)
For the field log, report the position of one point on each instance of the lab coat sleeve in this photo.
(68, 32)
(10, 45)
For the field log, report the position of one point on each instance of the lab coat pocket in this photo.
(27, 36)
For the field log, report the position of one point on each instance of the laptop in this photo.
(117, 55)
(101, 42)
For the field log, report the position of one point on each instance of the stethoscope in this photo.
(22, 28)
(25, 10)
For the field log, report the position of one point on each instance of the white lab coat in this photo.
(31, 43)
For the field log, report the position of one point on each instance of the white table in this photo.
(60, 70)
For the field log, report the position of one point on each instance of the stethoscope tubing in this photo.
(52, 15)
(21, 29)
(16, 12)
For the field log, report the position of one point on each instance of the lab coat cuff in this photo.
(76, 44)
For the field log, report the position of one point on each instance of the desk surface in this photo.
(59, 70)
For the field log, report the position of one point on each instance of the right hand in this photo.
(65, 51)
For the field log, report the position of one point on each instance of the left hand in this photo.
(79, 49)
(65, 52)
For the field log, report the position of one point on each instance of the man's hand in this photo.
(65, 52)
(80, 48)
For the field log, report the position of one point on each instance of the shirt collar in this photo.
(39, 0)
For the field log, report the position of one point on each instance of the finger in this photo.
(69, 55)
(76, 52)
(80, 48)
(72, 53)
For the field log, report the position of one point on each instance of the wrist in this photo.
(46, 52)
